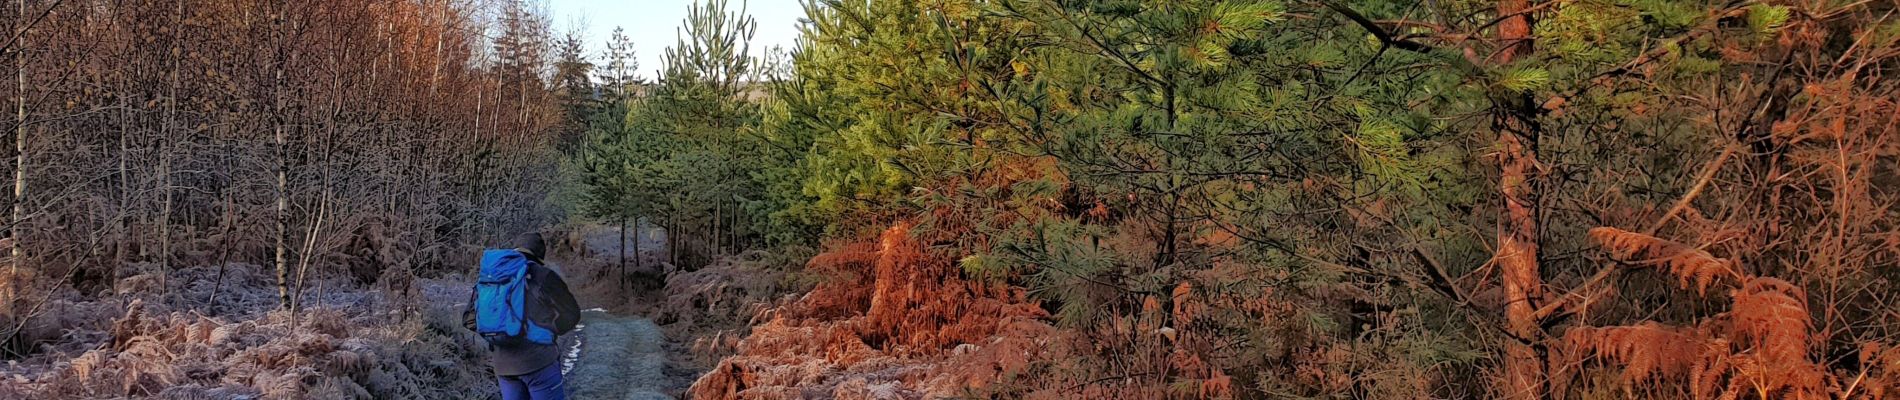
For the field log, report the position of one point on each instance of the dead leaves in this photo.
(1690, 265)
(1761, 345)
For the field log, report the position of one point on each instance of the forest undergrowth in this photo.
(1262, 199)
(351, 342)
(216, 199)
(877, 328)
(1184, 199)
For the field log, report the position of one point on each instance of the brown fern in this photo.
(1880, 372)
(1687, 263)
(1759, 347)
(1770, 317)
(1648, 352)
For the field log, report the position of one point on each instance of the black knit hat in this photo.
(531, 244)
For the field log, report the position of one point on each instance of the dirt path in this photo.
(608, 356)
(620, 357)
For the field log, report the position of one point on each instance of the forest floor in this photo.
(621, 357)
(615, 352)
(353, 340)
(618, 354)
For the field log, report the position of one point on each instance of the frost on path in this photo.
(573, 352)
(622, 358)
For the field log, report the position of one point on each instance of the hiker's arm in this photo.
(567, 311)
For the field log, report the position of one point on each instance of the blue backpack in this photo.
(501, 298)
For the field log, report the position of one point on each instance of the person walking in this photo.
(520, 306)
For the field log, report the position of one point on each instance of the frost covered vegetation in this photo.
(349, 344)
(244, 199)
(1514, 199)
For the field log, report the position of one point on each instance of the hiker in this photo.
(521, 338)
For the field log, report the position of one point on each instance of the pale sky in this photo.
(652, 24)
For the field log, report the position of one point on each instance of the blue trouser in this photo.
(542, 384)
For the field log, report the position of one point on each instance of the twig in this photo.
(4, 48)
(303, 262)
(1702, 182)
(1376, 30)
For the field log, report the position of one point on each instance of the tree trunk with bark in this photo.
(623, 253)
(637, 264)
(283, 158)
(165, 157)
(1516, 258)
(19, 169)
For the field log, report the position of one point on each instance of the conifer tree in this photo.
(620, 70)
(578, 95)
(683, 155)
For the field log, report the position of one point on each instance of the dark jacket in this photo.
(550, 305)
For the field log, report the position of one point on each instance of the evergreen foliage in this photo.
(1407, 189)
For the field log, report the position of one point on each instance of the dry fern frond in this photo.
(84, 365)
(1686, 262)
(850, 256)
(1759, 346)
(1771, 315)
(1880, 371)
(130, 326)
(1186, 306)
(1647, 352)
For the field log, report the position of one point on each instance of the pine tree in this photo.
(578, 95)
(620, 73)
(521, 50)
(683, 155)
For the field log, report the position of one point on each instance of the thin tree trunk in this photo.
(637, 264)
(326, 165)
(224, 225)
(673, 240)
(1170, 236)
(309, 249)
(1517, 261)
(124, 220)
(622, 279)
(435, 71)
(165, 159)
(1514, 32)
(1516, 256)
(283, 160)
(19, 168)
(125, 192)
